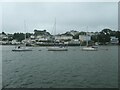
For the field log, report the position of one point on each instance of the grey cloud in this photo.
(69, 16)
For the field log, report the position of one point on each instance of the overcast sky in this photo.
(69, 16)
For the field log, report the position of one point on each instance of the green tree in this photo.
(82, 33)
(94, 38)
(10, 37)
(28, 35)
(19, 36)
(3, 33)
(76, 36)
(104, 36)
(41, 32)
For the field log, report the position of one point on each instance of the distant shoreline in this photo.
(58, 45)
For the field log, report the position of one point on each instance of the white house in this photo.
(3, 42)
(74, 41)
(63, 37)
(114, 40)
(14, 42)
(84, 38)
(28, 41)
(42, 38)
(32, 37)
(2, 36)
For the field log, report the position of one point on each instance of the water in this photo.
(73, 68)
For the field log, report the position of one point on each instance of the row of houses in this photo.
(48, 39)
(40, 39)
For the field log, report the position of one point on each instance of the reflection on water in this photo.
(73, 68)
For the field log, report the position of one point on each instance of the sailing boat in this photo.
(22, 48)
(88, 48)
(56, 48)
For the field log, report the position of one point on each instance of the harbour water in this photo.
(61, 69)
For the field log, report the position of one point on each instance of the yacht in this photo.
(57, 48)
(22, 48)
(19, 48)
(89, 48)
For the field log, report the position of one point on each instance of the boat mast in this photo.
(55, 27)
(25, 31)
(54, 30)
(87, 36)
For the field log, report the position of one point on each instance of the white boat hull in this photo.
(22, 49)
(57, 49)
(94, 46)
(89, 49)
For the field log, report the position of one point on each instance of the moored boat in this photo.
(19, 48)
(95, 46)
(57, 48)
(22, 48)
(89, 49)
